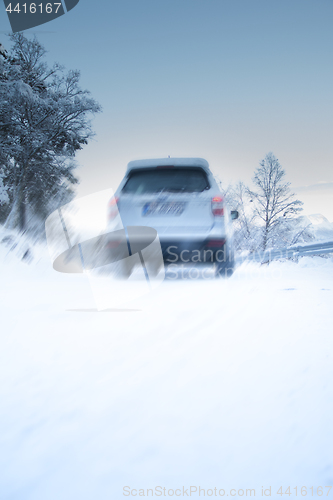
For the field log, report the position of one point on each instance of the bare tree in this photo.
(274, 203)
(245, 230)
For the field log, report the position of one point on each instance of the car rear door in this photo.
(172, 198)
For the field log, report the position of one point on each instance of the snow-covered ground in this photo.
(317, 226)
(210, 383)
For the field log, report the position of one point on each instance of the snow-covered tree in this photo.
(245, 230)
(3, 192)
(3, 51)
(274, 204)
(44, 121)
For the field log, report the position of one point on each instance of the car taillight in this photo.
(215, 243)
(218, 206)
(113, 208)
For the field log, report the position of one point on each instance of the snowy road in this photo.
(224, 384)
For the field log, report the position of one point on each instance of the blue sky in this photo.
(226, 80)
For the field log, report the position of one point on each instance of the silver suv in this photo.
(180, 199)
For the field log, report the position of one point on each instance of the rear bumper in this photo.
(172, 248)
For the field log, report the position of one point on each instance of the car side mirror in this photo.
(234, 214)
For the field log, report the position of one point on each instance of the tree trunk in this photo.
(12, 216)
(23, 214)
(17, 215)
(264, 242)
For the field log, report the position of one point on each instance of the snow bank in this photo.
(209, 383)
(318, 226)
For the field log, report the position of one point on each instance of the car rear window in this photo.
(173, 180)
